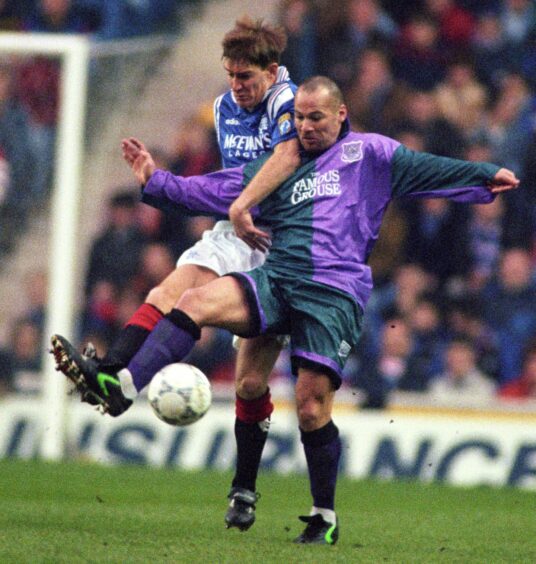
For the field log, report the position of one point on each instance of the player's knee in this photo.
(162, 298)
(193, 303)
(309, 413)
(250, 386)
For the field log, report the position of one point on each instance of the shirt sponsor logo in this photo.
(316, 185)
(352, 152)
(248, 146)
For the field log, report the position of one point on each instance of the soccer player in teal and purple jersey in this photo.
(315, 282)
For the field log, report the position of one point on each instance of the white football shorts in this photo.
(222, 251)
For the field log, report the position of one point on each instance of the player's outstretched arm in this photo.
(138, 158)
(282, 163)
(504, 180)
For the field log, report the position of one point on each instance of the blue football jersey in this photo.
(244, 135)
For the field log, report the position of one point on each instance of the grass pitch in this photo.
(76, 512)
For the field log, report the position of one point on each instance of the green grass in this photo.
(77, 512)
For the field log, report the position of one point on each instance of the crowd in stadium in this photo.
(453, 315)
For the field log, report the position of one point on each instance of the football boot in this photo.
(94, 387)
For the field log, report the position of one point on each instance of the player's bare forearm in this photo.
(139, 159)
(283, 162)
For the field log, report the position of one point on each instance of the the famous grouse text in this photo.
(316, 185)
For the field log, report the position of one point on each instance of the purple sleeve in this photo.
(210, 193)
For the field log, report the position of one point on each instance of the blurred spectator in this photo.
(411, 137)
(429, 340)
(462, 382)
(36, 296)
(156, 263)
(116, 254)
(463, 317)
(298, 19)
(37, 82)
(18, 175)
(39, 78)
(399, 365)
(509, 306)
(419, 111)
(11, 15)
(387, 253)
(399, 297)
(418, 59)
(518, 18)
(509, 124)
(456, 24)
(461, 99)
(515, 210)
(365, 25)
(100, 316)
(524, 385)
(132, 18)
(436, 240)
(26, 352)
(370, 90)
(58, 16)
(194, 151)
(493, 54)
(485, 234)
(368, 25)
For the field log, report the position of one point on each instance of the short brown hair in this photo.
(254, 42)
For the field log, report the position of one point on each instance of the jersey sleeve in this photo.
(424, 175)
(281, 114)
(217, 111)
(209, 194)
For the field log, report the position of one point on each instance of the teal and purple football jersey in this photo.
(326, 217)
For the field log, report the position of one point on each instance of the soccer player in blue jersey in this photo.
(254, 116)
(315, 282)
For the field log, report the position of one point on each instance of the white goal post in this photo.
(73, 51)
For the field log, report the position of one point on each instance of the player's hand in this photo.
(246, 230)
(504, 180)
(138, 158)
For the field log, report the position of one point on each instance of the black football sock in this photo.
(322, 452)
(131, 338)
(124, 347)
(251, 430)
(250, 441)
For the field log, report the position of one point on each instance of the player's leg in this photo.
(217, 303)
(326, 323)
(159, 301)
(255, 360)
(207, 259)
(220, 303)
(93, 377)
(315, 392)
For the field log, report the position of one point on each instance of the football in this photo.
(180, 394)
